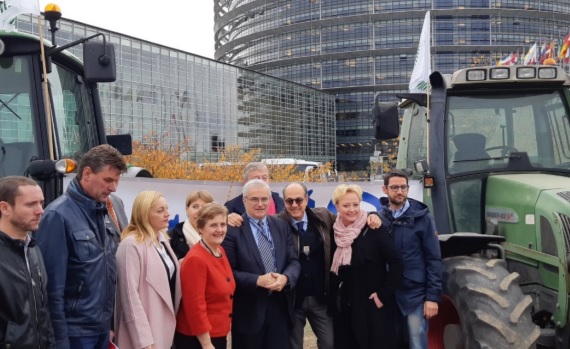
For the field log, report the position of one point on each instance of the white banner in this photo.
(419, 81)
(10, 9)
(175, 192)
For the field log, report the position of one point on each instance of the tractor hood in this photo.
(513, 198)
(529, 206)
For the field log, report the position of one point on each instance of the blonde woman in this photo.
(148, 278)
(368, 270)
(184, 235)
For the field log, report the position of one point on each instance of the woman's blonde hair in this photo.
(139, 226)
(344, 189)
(209, 212)
(203, 195)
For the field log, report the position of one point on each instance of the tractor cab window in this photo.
(484, 130)
(17, 140)
(73, 110)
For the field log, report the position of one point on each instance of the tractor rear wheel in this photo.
(483, 307)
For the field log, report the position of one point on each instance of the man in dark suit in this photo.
(256, 170)
(266, 268)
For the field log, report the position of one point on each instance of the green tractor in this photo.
(50, 109)
(491, 146)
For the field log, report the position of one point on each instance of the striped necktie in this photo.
(265, 248)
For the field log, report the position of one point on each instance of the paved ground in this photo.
(310, 341)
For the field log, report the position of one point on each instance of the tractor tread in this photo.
(493, 311)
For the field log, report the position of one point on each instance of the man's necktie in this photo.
(111, 212)
(301, 228)
(265, 248)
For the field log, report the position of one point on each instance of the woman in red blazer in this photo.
(208, 285)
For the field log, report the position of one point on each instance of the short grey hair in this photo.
(254, 183)
(254, 166)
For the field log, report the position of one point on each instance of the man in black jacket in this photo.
(24, 314)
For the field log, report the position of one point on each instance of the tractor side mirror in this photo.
(386, 120)
(99, 61)
(123, 143)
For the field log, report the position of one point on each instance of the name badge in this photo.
(307, 250)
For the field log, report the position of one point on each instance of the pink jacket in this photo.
(144, 314)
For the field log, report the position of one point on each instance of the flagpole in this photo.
(49, 115)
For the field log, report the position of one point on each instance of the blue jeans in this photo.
(416, 327)
(90, 342)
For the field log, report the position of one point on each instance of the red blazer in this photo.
(207, 293)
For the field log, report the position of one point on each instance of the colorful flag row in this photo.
(538, 55)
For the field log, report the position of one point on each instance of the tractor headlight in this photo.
(526, 73)
(547, 73)
(500, 73)
(476, 75)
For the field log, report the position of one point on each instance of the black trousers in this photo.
(182, 341)
(275, 332)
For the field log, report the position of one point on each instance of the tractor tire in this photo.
(483, 307)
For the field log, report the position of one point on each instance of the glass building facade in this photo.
(204, 103)
(355, 49)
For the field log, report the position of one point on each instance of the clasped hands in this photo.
(272, 281)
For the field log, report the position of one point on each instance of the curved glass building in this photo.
(357, 48)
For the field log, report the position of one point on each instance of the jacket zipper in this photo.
(77, 295)
(33, 284)
(36, 304)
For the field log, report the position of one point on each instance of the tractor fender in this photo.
(466, 244)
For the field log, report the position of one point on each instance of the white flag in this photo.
(422, 67)
(10, 9)
(530, 57)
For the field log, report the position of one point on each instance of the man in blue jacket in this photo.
(79, 253)
(413, 230)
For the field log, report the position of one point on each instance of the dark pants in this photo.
(275, 332)
(367, 327)
(320, 320)
(182, 341)
(90, 342)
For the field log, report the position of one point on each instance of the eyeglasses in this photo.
(298, 201)
(256, 201)
(395, 188)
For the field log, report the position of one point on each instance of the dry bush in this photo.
(161, 162)
(165, 162)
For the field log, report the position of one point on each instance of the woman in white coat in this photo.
(148, 281)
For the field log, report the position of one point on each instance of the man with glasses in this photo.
(255, 170)
(415, 236)
(312, 236)
(266, 268)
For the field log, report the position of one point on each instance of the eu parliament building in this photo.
(175, 97)
(355, 49)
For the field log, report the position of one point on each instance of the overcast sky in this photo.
(182, 24)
